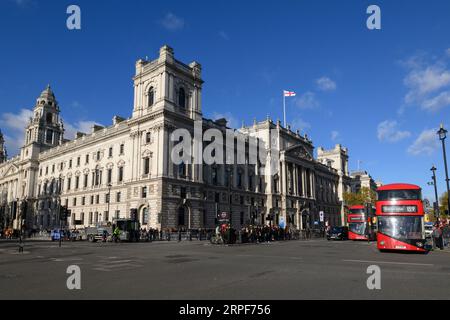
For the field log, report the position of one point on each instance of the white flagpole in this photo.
(284, 109)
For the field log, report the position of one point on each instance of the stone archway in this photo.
(144, 216)
(184, 216)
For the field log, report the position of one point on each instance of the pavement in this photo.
(291, 270)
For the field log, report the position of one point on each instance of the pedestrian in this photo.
(437, 236)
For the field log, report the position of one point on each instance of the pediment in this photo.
(298, 152)
(10, 170)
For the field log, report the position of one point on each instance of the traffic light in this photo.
(63, 213)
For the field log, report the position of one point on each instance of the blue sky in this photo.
(381, 93)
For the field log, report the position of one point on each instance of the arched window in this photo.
(182, 98)
(151, 96)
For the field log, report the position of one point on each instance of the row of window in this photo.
(97, 156)
(96, 180)
(181, 97)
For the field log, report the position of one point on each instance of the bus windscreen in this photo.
(387, 195)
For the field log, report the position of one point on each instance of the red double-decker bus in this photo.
(359, 227)
(400, 214)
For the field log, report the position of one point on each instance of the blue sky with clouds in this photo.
(381, 93)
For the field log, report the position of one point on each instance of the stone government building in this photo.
(127, 167)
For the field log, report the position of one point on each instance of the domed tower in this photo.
(45, 127)
(3, 155)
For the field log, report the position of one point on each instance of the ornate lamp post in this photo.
(442, 133)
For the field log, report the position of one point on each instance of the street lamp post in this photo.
(442, 133)
(436, 207)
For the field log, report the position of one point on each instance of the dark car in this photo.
(338, 233)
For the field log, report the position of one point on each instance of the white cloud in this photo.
(326, 84)
(438, 102)
(428, 83)
(172, 23)
(13, 127)
(388, 131)
(426, 143)
(335, 136)
(300, 124)
(232, 121)
(70, 130)
(307, 101)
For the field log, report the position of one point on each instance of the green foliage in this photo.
(363, 196)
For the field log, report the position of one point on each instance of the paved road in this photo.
(314, 269)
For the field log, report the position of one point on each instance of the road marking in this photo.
(392, 262)
(267, 256)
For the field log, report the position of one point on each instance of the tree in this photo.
(444, 203)
(362, 197)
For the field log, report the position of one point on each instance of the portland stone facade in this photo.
(127, 167)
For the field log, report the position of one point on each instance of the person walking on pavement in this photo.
(116, 234)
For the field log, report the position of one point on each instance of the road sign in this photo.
(321, 215)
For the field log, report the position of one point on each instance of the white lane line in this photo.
(268, 256)
(392, 262)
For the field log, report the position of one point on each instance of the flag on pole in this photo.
(286, 93)
(289, 93)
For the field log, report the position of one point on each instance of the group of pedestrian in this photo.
(150, 234)
(259, 234)
(440, 233)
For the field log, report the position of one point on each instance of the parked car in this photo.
(338, 233)
(428, 229)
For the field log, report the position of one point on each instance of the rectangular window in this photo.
(120, 178)
(110, 152)
(69, 183)
(53, 168)
(82, 217)
(46, 170)
(77, 182)
(90, 217)
(118, 196)
(147, 137)
(83, 201)
(87, 159)
(70, 164)
(122, 149)
(78, 161)
(107, 198)
(85, 183)
(96, 217)
(97, 199)
(40, 171)
(144, 192)
(74, 202)
(109, 175)
(67, 202)
(98, 155)
(146, 165)
(117, 214)
(106, 215)
(92, 199)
